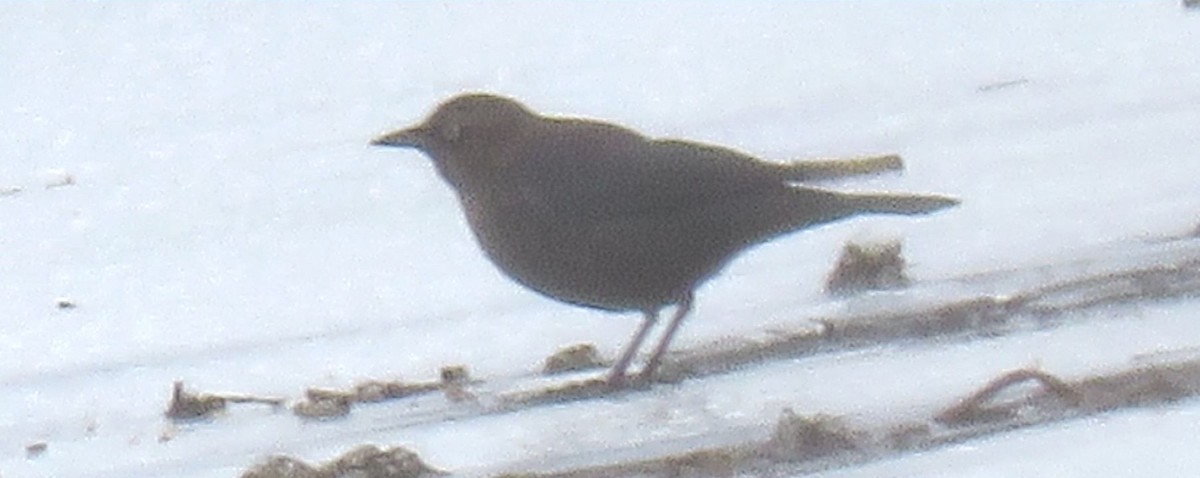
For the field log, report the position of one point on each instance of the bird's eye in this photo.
(450, 132)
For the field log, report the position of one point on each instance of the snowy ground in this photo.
(227, 225)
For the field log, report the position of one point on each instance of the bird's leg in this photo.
(616, 376)
(681, 311)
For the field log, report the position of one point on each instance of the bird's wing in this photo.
(604, 171)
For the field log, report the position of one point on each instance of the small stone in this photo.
(57, 178)
(168, 433)
(454, 383)
(454, 374)
(36, 449)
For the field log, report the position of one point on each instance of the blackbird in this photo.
(595, 214)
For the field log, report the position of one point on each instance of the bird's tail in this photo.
(810, 207)
(906, 204)
(841, 168)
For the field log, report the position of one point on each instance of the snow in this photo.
(227, 225)
(1124, 444)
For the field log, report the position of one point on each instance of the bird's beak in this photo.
(405, 138)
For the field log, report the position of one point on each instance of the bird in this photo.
(598, 215)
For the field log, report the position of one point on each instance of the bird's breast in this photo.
(620, 263)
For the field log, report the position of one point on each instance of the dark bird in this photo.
(597, 215)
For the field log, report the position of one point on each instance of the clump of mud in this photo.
(325, 404)
(366, 461)
(186, 406)
(573, 358)
(798, 438)
(867, 266)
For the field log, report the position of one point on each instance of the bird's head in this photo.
(465, 134)
(461, 124)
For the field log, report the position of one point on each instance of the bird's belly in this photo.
(626, 264)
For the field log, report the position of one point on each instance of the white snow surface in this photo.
(226, 223)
